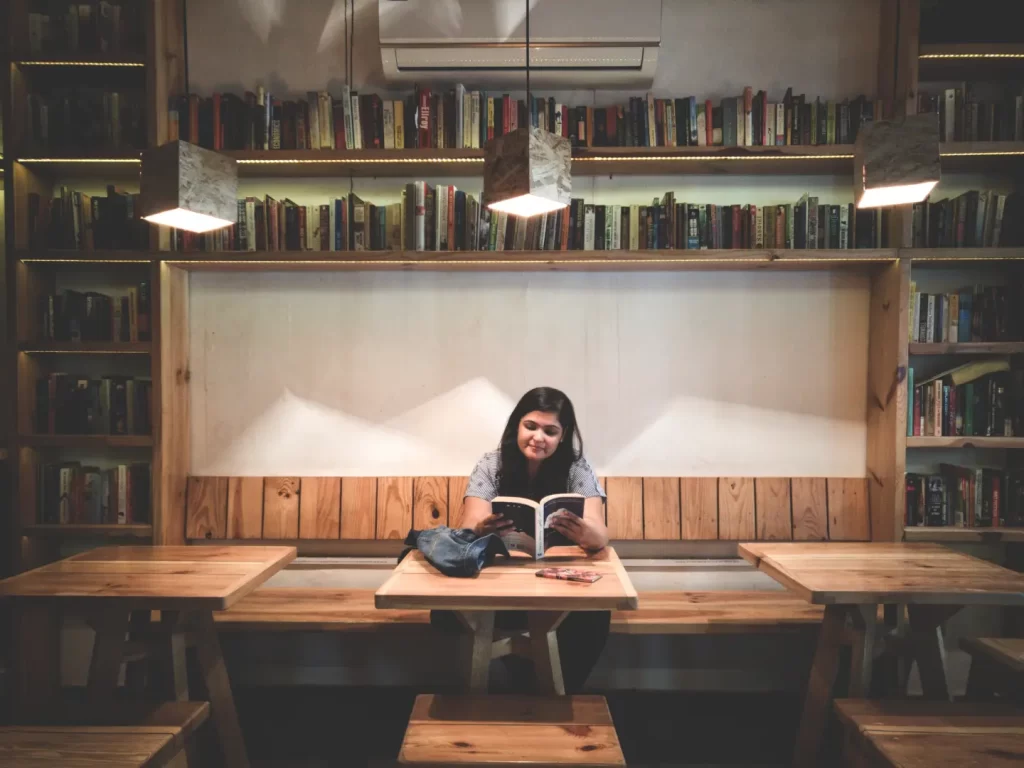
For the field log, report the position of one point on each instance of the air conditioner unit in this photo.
(573, 43)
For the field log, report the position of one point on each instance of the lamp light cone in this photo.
(896, 162)
(188, 187)
(527, 172)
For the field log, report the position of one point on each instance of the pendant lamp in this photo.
(185, 186)
(896, 162)
(528, 171)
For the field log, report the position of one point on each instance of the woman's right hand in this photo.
(491, 524)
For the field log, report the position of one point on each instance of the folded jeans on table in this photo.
(455, 552)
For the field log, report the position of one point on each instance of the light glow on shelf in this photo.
(56, 63)
(135, 160)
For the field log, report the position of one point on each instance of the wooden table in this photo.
(186, 584)
(512, 585)
(851, 580)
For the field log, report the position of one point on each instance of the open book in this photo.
(530, 517)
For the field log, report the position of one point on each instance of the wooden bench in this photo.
(997, 666)
(315, 609)
(937, 734)
(153, 740)
(510, 730)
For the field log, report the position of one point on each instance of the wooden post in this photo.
(107, 656)
(480, 649)
(928, 648)
(865, 620)
(818, 700)
(222, 702)
(544, 644)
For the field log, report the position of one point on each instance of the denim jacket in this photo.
(455, 552)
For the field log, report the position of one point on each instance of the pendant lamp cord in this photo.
(184, 41)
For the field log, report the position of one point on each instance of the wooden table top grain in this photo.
(76, 747)
(512, 585)
(153, 577)
(847, 573)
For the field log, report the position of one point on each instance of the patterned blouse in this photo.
(483, 482)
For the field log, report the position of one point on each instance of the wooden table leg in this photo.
(928, 649)
(36, 667)
(865, 621)
(481, 641)
(544, 647)
(111, 626)
(819, 688)
(222, 703)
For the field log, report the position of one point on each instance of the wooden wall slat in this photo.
(358, 508)
(625, 508)
(281, 508)
(320, 508)
(735, 508)
(810, 510)
(456, 500)
(772, 508)
(661, 508)
(206, 508)
(699, 500)
(245, 508)
(429, 502)
(848, 518)
(394, 507)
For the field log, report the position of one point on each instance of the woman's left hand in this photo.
(580, 531)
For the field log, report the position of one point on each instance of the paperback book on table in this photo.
(532, 533)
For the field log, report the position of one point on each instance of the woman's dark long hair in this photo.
(553, 476)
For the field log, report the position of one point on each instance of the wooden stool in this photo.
(507, 730)
(997, 666)
(938, 734)
(154, 742)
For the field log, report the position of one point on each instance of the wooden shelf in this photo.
(79, 60)
(970, 61)
(984, 535)
(120, 165)
(101, 258)
(965, 442)
(87, 441)
(133, 530)
(86, 347)
(969, 348)
(938, 257)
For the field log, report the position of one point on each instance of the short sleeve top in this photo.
(483, 482)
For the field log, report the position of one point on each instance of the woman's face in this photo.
(539, 435)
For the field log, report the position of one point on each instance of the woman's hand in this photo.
(580, 531)
(491, 524)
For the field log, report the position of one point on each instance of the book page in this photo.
(552, 509)
(521, 537)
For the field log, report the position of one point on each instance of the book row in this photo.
(67, 404)
(99, 26)
(443, 218)
(981, 313)
(981, 399)
(963, 117)
(463, 119)
(72, 493)
(78, 221)
(77, 316)
(975, 219)
(79, 119)
(965, 497)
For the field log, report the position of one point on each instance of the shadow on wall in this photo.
(671, 374)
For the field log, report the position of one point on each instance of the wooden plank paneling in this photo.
(810, 509)
(699, 499)
(394, 507)
(206, 508)
(735, 508)
(429, 502)
(245, 507)
(772, 505)
(848, 518)
(661, 508)
(358, 507)
(320, 508)
(281, 508)
(456, 500)
(171, 374)
(625, 508)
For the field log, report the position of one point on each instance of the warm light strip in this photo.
(381, 160)
(135, 160)
(34, 63)
(698, 158)
(513, 262)
(971, 56)
(979, 154)
(83, 352)
(85, 261)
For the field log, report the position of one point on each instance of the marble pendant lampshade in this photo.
(896, 162)
(188, 187)
(527, 172)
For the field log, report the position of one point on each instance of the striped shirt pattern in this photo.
(483, 482)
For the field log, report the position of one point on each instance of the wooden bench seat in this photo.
(997, 667)
(153, 740)
(315, 609)
(936, 734)
(510, 730)
(1007, 652)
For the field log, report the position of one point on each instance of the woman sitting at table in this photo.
(541, 453)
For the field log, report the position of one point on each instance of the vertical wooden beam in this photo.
(171, 394)
(888, 30)
(887, 399)
(908, 49)
(165, 65)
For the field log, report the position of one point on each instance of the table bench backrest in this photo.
(651, 508)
